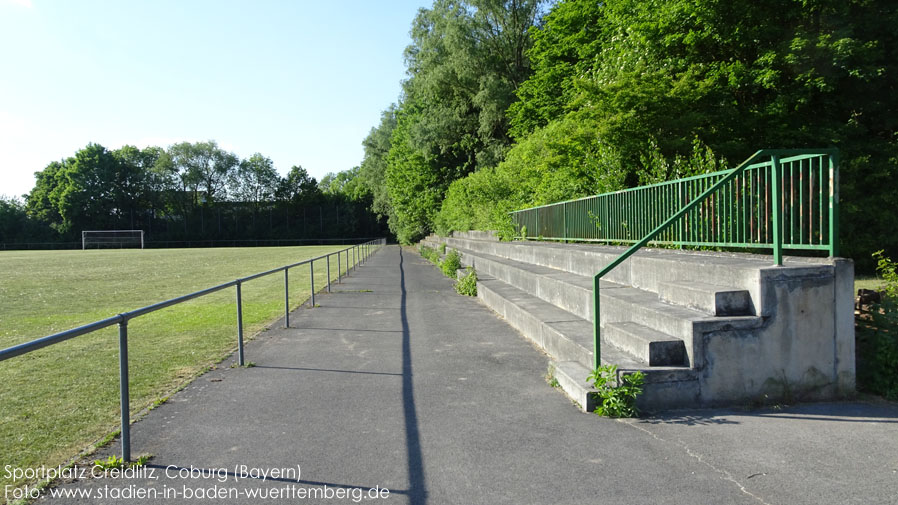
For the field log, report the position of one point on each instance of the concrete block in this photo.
(571, 377)
(647, 345)
(711, 298)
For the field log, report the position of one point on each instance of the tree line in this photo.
(189, 191)
(514, 103)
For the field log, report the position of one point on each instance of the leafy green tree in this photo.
(13, 219)
(655, 75)
(298, 186)
(347, 184)
(413, 184)
(464, 64)
(204, 170)
(89, 195)
(41, 202)
(255, 181)
(373, 170)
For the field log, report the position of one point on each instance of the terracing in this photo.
(706, 328)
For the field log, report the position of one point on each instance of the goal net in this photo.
(116, 239)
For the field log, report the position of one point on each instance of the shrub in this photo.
(616, 399)
(877, 336)
(430, 254)
(467, 285)
(451, 263)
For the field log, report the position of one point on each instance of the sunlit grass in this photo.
(57, 401)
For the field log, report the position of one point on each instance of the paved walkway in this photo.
(395, 382)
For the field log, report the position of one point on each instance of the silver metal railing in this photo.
(355, 255)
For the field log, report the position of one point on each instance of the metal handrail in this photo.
(359, 252)
(774, 155)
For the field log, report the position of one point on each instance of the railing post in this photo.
(239, 326)
(777, 211)
(328, 259)
(339, 270)
(596, 330)
(286, 298)
(833, 204)
(123, 386)
(564, 220)
(312, 280)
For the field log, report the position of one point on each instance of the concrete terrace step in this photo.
(648, 345)
(561, 334)
(663, 388)
(711, 298)
(573, 293)
(565, 290)
(568, 340)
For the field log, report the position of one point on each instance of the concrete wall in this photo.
(803, 351)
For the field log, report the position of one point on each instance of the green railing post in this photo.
(596, 330)
(564, 220)
(833, 204)
(776, 191)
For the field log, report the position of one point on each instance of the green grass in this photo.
(868, 282)
(58, 401)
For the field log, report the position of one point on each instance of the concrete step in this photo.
(711, 298)
(568, 341)
(571, 377)
(663, 389)
(646, 344)
(646, 269)
(573, 293)
(565, 290)
(561, 334)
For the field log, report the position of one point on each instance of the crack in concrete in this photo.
(725, 475)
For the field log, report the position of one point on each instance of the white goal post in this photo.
(111, 239)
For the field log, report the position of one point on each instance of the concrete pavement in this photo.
(395, 382)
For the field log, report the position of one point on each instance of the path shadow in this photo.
(417, 491)
(853, 412)
(304, 369)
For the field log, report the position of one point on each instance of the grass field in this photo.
(57, 401)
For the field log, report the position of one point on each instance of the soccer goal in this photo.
(118, 239)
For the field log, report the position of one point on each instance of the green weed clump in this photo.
(430, 254)
(877, 336)
(467, 285)
(451, 263)
(616, 398)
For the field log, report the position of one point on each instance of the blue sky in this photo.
(301, 82)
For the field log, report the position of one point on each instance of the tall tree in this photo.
(464, 64)
(204, 169)
(255, 181)
(347, 184)
(373, 169)
(298, 186)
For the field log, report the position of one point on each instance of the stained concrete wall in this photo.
(803, 351)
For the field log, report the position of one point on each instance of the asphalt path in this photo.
(395, 389)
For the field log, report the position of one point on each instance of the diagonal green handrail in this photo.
(776, 190)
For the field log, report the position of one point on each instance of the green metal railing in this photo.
(776, 199)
